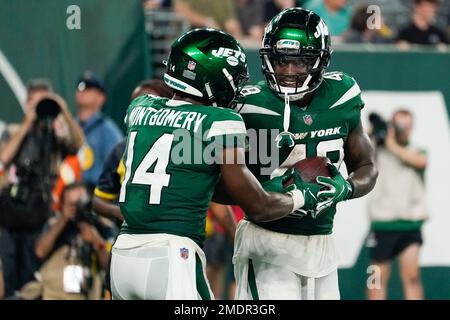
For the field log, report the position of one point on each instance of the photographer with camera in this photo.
(46, 135)
(397, 206)
(75, 244)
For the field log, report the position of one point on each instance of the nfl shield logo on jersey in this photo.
(184, 253)
(307, 119)
(191, 65)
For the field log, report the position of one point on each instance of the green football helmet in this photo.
(208, 64)
(300, 36)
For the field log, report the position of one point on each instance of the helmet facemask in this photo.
(311, 65)
(298, 37)
(224, 91)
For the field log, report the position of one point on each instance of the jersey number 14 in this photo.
(159, 153)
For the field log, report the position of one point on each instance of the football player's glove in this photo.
(277, 184)
(337, 189)
(304, 194)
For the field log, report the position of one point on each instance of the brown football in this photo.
(310, 168)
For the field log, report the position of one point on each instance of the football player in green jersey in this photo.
(176, 151)
(316, 114)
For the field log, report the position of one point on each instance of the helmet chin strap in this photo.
(287, 113)
(293, 97)
(286, 137)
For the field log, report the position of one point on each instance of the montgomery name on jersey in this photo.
(170, 151)
(320, 129)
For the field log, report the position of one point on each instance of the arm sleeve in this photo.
(108, 185)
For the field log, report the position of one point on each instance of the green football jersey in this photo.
(320, 129)
(171, 170)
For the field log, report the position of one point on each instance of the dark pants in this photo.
(17, 255)
(389, 244)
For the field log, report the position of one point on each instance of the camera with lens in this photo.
(47, 108)
(33, 161)
(379, 128)
(26, 203)
(84, 212)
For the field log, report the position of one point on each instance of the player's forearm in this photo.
(360, 161)
(263, 206)
(272, 206)
(363, 180)
(221, 195)
(106, 209)
(258, 204)
(244, 188)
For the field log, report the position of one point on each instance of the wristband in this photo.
(297, 198)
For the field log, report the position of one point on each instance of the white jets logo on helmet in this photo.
(321, 29)
(288, 44)
(228, 52)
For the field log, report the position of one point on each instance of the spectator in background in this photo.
(397, 207)
(421, 29)
(211, 14)
(101, 132)
(359, 31)
(218, 247)
(71, 242)
(33, 153)
(448, 26)
(4, 137)
(335, 13)
(2, 281)
(156, 4)
(272, 8)
(251, 18)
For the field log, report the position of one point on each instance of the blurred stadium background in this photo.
(125, 42)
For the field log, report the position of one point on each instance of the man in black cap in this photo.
(101, 133)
